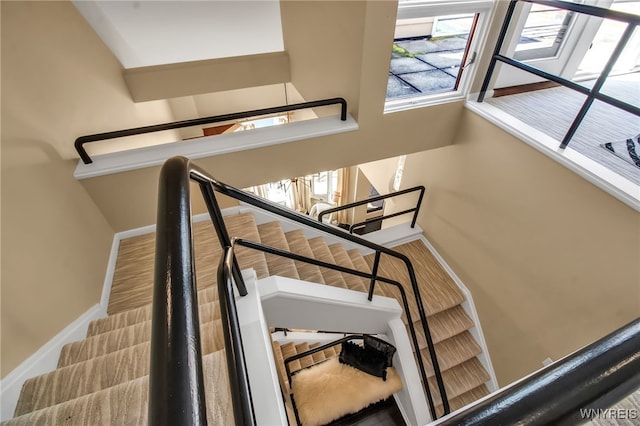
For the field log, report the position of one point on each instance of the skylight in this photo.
(147, 33)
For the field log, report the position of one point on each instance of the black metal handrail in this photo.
(236, 362)
(176, 385)
(83, 140)
(415, 210)
(186, 170)
(568, 391)
(591, 94)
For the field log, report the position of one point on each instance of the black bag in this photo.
(373, 358)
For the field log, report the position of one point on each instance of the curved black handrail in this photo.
(176, 385)
(415, 210)
(82, 140)
(568, 391)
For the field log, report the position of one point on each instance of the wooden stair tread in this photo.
(342, 258)
(282, 373)
(361, 265)
(390, 270)
(132, 285)
(451, 352)
(318, 356)
(321, 252)
(438, 290)
(466, 398)
(365, 263)
(207, 311)
(288, 350)
(244, 226)
(121, 338)
(298, 244)
(126, 403)
(445, 324)
(87, 377)
(459, 379)
(95, 374)
(307, 360)
(271, 234)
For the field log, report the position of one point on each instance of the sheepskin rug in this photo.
(331, 390)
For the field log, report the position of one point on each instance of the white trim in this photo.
(394, 235)
(269, 409)
(208, 146)
(610, 182)
(44, 359)
(111, 269)
(426, 100)
(430, 8)
(470, 308)
(419, 9)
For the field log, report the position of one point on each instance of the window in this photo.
(585, 111)
(543, 32)
(433, 50)
(324, 184)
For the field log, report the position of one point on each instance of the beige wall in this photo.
(324, 42)
(214, 75)
(551, 260)
(335, 49)
(58, 82)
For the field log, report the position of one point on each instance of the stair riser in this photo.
(112, 341)
(101, 372)
(138, 315)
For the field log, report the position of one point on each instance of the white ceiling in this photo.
(146, 33)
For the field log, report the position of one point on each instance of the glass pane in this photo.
(320, 184)
(427, 54)
(601, 48)
(543, 32)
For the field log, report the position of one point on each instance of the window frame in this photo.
(415, 9)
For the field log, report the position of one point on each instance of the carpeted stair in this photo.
(103, 380)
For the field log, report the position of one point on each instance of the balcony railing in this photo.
(83, 140)
(415, 210)
(592, 94)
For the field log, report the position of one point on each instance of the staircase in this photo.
(103, 379)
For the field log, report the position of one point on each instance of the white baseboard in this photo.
(44, 359)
